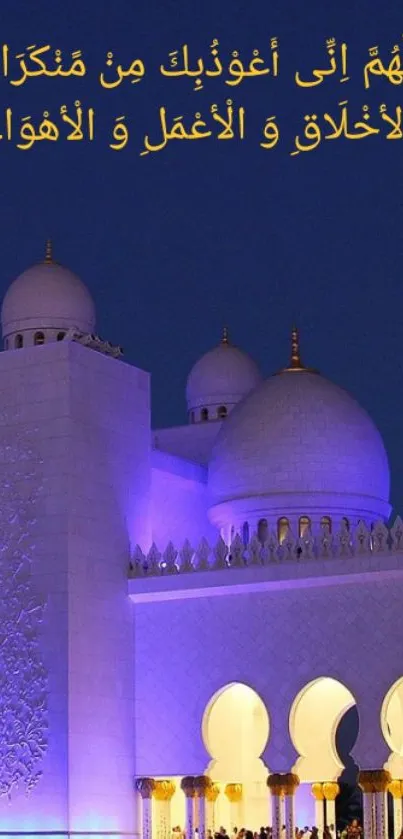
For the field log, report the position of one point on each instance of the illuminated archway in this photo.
(235, 731)
(392, 727)
(314, 721)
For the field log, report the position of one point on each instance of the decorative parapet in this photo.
(345, 543)
(94, 342)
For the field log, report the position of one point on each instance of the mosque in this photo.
(188, 613)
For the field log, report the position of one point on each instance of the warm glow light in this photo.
(235, 731)
(282, 529)
(392, 718)
(314, 718)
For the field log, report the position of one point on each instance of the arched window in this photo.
(222, 412)
(326, 522)
(282, 529)
(192, 417)
(262, 531)
(60, 336)
(304, 525)
(346, 523)
(18, 342)
(204, 414)
(245, 533)
(39, 338)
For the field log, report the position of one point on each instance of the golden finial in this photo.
(225, 339)
(295, 361)
(295, 356)
(48, 252)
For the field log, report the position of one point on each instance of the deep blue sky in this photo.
(176, 244)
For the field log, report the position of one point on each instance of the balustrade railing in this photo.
(346, 542)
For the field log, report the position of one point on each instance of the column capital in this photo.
(365, 781)
(145, 786)
(163, 790)
(201, 784)
(317, 792)
(188, 786)
(234, 793)
(381, 780)
(396, 788)
(275, 783)
(212, 792)
(374, 780)
(331, 790)
(290, 782)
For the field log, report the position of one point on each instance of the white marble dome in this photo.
(298, 445)
(45, 297)
(222, 377)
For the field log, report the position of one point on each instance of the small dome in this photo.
(222, 377)
(300, 443)
(47, 296)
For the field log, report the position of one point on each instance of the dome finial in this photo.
(295, 363)
(48, 252)
(295, 360)
(225, 339)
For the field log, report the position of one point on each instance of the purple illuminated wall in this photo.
(179, 502)
(276, 642)
(72, 508)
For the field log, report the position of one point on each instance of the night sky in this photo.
(176, 244)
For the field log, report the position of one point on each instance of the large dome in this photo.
(222, 377)
(299, 443)
(47, 296)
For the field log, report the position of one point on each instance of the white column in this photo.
(201, 806)
(397, 817)
(381, 780)
(187, 784)
(147, 818)
(162, 794)
(319, 816)
(138, 811)
(276, 820)
(189, 817)
(319, 796)
(201, 785)
(330, 791)
(234, 795)
(289, 816)
(396, 789)
(368, 814)
(212, 794)
(381, 819)
(330, 813)
(374, 785)
(290, 784)
(276, 787)
(145, 787)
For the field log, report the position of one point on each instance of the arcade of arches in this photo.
(238, 789)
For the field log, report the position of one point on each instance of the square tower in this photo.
(75, 477)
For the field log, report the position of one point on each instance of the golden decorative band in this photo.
(331, 791)
(201, 784)
(374, 780)
(234, 793)
(282, 784)
(212, 792)
(163, 790)
(188, 786)
(145, 786)
(396, 788)
(325, 791)
(318, 792)
(290, 783)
